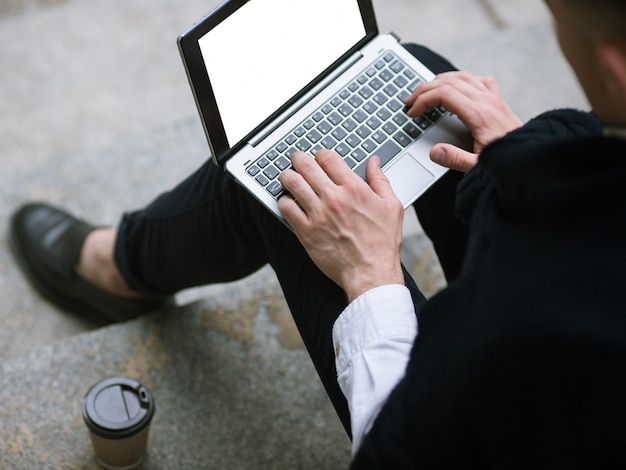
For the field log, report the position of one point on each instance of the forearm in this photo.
(373, 339)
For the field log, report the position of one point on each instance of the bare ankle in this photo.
(96, 264)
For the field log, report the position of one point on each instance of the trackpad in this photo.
(408, 178)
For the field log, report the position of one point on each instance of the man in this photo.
(518, 363)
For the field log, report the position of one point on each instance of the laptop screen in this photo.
(268, 50)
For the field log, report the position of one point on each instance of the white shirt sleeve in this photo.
(373, 338)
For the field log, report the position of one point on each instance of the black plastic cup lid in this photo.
(117, 408)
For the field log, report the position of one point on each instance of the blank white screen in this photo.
(268, 50)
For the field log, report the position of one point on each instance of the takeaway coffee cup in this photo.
(118, 412)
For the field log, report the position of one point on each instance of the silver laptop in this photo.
(271, 77)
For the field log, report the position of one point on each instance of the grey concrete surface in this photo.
(96, 115)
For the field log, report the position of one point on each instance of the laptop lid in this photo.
(249, 60)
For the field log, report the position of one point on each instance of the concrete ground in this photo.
(96, 115)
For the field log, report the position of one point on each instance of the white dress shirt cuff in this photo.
(373, 338)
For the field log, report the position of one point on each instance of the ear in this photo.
(612, 55)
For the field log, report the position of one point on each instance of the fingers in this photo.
(453, 157)
(377, 180)
(315, 179)
(445, 90)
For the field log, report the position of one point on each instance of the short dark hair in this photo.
(607, 17)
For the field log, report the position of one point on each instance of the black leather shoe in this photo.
(46, 243)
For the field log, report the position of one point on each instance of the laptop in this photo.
(270, 77)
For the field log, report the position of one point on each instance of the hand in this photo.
(352, 230)
(478, 104)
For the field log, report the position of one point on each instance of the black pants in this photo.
(209, 230)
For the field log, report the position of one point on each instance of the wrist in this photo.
(359, 284)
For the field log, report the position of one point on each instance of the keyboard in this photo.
(367, 117)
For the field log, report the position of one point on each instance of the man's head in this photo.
(592, 34)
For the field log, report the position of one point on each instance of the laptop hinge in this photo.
(311, 94)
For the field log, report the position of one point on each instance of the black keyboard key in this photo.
(360, 170)
(369, 146)
(384, 114)
(385, 75)
(379, 137)
(401, 82)
(324, 127)
(381, 98)
(370, 107)
(356, 101)
(388, 57)
(317, 117)
(390, 90)
(299, 132)
(335, 119)
(280, 148)
(403, 139)
(327, 109)
(353, 140)
(390, 128)
(412, 130)
(358, 155)
(354, 86)
(414, 84)
(282, 163)
(397, 66)
(339, 133)
(263, 162)
(336, 101)
(275, 188)
(272, 154)
(376, 84)
(291, 139)
(374, 123)
(344, 95)
(309, 124)
(342, 149)
(271, 172)
(395, 105)
(345, 109)
(314, 136)
(303, 145)
(403, 95)
(366, 92)
(349, 125)
(423, 123)
(388, 150)
(362, 79)
(433, 114)
(379, 65)
(360, 116)
(400, 119)
(253, 170)
(262, 180)
(329, 142)
(363, 132)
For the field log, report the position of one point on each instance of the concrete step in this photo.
(233, 388)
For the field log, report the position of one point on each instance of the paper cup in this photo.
(118, 412)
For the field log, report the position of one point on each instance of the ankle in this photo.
(96, 264)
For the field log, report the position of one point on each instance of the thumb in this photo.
(376, 179)
(453, 157)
